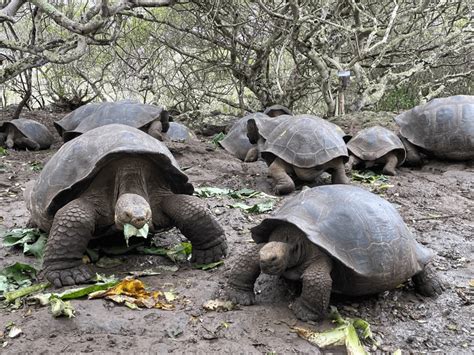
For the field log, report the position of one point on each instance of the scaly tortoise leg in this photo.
(428, 283)
(243, 276)
(391, 162)
(338, 174)
(197, 224)
(252, 155)
(314, 300)
(27, 143)
(72, 228)
(284, 184)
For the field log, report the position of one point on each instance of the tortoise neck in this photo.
(131, 179)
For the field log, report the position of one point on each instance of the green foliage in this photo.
(32, 240)
(397, 99)
(3, 151)
(16, 276)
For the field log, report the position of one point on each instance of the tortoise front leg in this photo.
(413, 157)
(391, 162)
(197, 224)
(428, 283)
(252, 155)
(72, 228)
(317, 284)
(338, 174)
(27, 143)
(244, 273)
(284, 184)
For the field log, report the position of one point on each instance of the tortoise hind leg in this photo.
(72, 228)
(197, 224)
(391, 162)
(428, 283)
(317, 283)
(279, 170)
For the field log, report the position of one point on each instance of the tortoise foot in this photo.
(390, 172)
(242, 297)
(60, 277)
(284, 189)
(304, 313)
(209, 255)
(428, 283)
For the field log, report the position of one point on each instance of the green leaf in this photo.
(129, 231)
(344, 334)
(3, 151)
(210, 191)
(178, 252)
(32, 240)
(37, 248)
(353, 345)
(84, 291)
(368, 177)
(256, 208)
(61, 308)
(217, 138)
(24, 291)
(36, 166)
(15, 276)
(209, 266)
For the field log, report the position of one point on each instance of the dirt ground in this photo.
(436, 202)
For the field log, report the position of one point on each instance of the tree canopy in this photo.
(236, 54)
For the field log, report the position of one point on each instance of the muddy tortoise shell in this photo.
(305, 141)
(178, 132)
(123, 112)
(374, 142)
(443, 127)
(372, 247)
(236, 141)
(32, 130)
(68, 173)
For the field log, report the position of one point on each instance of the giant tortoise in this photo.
(338, 238)
(376, 145)
(150, 118)
(25, 134)
(443, 128)
(107, 180)
(178, 132)
(304, 145)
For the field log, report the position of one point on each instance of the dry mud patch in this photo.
(436, 202)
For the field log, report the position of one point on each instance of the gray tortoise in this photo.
(236, 141)
(178, 132)
(443, 128)
(25, 134)
(72, 119)
(334, 238)
(108, 178)
(376, 145)
(150, 118)
(277, 110)
(305, 146)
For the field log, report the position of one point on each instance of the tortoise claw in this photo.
(242, 297)
(67, 277)
(304, 313)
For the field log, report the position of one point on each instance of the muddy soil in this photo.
(436, 202)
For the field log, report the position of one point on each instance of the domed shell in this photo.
(236, 141)
(72, 120)
(32, 130)
(374, 142)
(179, 133)
(123, 112)
(276, 110)
(364, 233)
(68, 172)
(305, 141)
(443, 127)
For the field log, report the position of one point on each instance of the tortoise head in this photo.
(252, 131)
(282, 251)
(132, 209)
